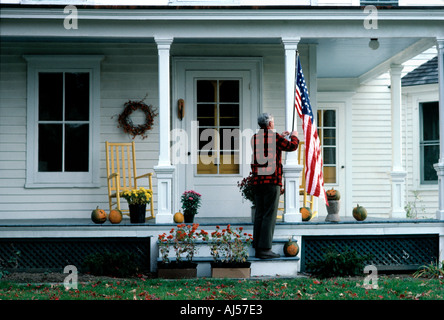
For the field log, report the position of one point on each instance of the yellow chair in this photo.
(122, 175)
(306, 197)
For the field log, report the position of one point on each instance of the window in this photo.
(218, 109)
(429, 141)
(327, 135)
(63, 121)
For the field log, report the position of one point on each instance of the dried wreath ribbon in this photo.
(127, 124)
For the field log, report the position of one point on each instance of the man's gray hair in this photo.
(264, 120)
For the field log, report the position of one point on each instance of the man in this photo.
(267, 146)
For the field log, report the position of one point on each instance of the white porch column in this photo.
(291, 169)
(164, 170)
(397, 174)
(439, 167)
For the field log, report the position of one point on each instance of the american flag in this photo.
(314, 178)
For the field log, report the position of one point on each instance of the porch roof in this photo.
(341, 37)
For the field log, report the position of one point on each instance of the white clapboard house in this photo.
(217, 64)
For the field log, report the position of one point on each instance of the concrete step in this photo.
(277, 267)
(282, 266)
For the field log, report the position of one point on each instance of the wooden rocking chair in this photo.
(122, 175)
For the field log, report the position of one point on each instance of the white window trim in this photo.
(416, 99)
(37, 63)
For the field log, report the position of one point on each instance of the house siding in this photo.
(129, 71)
(371, 146)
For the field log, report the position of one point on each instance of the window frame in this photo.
(422, 143)
(55, 63)
(414, 97)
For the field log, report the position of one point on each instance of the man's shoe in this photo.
(266, 254)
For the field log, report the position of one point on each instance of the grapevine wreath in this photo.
(127, 124)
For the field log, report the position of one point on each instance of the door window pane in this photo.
(229, 91)
(218, 110)
(327, 135)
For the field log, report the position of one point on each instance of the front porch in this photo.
(397, 244)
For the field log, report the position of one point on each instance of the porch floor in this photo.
(203, 221)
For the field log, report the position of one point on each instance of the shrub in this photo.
(335, 263)
(116, 264)
(433, 270)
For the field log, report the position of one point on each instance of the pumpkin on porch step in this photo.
(306, 213)
(291, 248)
(359, 213)
(98, 215)
(115, 216)
(333, 194)
(178, 217)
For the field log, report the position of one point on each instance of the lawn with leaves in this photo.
(300, 288)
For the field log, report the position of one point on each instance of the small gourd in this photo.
(306, 213)
(98, 216)
(359, 213)
(333, 194)
(291, 248)
(115, 216)
(178, 217)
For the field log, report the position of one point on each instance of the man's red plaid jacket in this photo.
(267, 147)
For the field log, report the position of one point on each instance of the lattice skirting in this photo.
(53, 254)
(390, 252)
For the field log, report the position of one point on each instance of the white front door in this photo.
(219, 119)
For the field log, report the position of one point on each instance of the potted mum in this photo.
(137, 200)
(229, 249)
(190, 203)
(182, 239)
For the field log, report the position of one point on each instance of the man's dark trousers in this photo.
(266, 202)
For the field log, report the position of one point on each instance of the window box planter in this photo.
(177, 270)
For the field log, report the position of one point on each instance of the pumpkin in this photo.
(359, 213)
(98, 215)
(178, 217)
(333, 194)
(115, 216)
(306, 213)
(291, 248)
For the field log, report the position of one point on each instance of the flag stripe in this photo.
(314, 178)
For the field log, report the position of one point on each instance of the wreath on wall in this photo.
(127, 124)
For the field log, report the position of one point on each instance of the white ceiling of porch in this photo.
(336, 57)
(351, 58)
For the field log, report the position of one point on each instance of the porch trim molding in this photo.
(439, 167)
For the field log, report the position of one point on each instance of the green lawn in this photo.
(300, 288)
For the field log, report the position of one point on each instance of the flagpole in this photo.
(295, 80)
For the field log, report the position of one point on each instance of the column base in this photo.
(165, 174)
(292, 173)
(398, 194)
